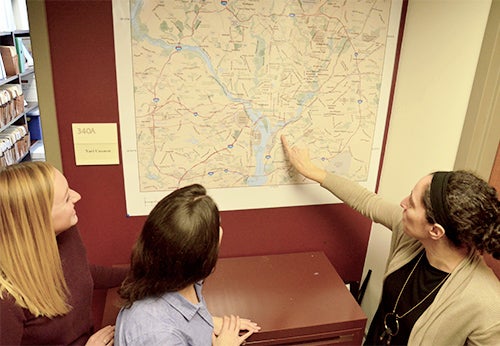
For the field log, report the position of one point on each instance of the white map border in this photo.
(238, 198)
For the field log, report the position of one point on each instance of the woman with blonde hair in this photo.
(46, 283)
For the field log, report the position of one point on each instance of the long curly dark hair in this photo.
(474, 212)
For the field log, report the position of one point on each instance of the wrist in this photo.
(318, 175)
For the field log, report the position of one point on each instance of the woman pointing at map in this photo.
(437, 288)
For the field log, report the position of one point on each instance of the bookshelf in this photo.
(20, 124)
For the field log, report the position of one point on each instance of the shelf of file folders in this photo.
(14, 135)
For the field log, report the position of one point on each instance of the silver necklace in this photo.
(391, 319)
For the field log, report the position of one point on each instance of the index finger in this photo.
(284, 141)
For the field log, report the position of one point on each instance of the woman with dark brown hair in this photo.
(176, 251)
(437, 288)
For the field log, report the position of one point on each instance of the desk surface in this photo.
(293, 297)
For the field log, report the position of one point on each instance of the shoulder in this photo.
(150, 312)
(483, 284)
(480, 274)
(142, 322)
(476, 290)
(13, 319)
(8, 307)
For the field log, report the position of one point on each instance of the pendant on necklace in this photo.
(391, 324)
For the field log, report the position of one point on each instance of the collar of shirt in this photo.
(186, 308)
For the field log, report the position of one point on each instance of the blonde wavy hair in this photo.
(30, 266)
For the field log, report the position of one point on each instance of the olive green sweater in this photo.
(466, 311)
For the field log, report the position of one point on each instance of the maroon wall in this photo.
(83, 62)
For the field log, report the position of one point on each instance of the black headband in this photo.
(438, 201)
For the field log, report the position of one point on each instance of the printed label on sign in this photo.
(95, 144)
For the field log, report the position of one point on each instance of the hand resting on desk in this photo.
(227, 330)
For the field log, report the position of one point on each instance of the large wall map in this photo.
(206, 88)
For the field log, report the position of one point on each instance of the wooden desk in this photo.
(297, 299)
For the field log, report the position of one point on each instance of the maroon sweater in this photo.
(19, 327)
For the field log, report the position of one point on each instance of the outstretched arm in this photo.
(300, 160)
(350, 192)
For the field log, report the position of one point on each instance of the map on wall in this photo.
(206, 88)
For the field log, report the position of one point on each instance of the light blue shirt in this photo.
(169, 320)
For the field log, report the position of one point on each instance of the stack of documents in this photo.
(10, 60)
